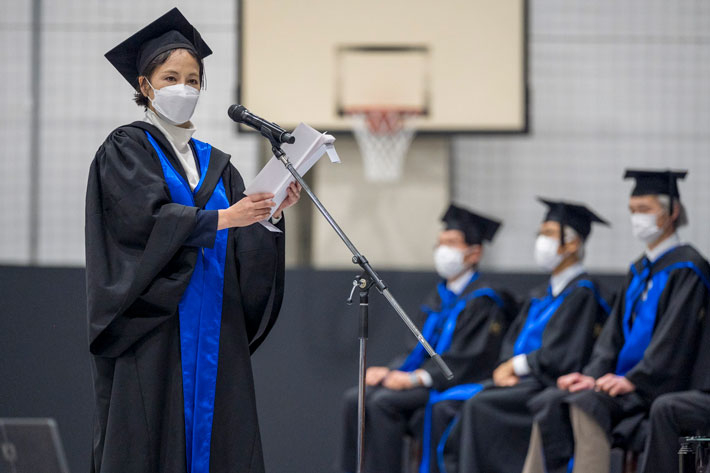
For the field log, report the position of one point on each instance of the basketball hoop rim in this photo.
(369, 109)
(384, 133)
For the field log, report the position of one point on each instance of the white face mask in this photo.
(546, 255)
(644, 227)
(449, 261)
(175, 103)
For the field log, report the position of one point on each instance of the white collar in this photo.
(559, 281)
(176, 135)
(671, 242)
(459, 284)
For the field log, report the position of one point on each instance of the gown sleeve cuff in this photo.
(426, 378)
(521, 367)
(205, 231)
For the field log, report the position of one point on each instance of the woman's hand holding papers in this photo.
(294, 194)
(247, 211)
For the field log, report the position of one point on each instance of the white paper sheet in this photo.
(309, 147)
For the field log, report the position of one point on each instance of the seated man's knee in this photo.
(384, 399)
(472, 406)
(663, 405)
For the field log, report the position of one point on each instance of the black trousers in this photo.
(443, 414)
(619, 416)
(387, 417)
(672, 416)
(492, 431)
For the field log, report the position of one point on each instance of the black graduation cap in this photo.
(577, 216)
(654, 182)
(170, 31)
(476, 228)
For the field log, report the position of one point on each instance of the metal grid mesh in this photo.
(15, 102)
(82, 99)
(613, 85)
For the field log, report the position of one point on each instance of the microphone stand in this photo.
(364, 281)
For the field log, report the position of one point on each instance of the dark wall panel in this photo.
(301, 370)
(45, 369)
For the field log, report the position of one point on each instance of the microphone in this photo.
(240, 114)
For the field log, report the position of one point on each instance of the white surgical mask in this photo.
(175, 103)
(546, 255)
(449, 261)
(644, 227)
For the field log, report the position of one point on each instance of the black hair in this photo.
(143, 101)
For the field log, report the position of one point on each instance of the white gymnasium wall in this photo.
(83, 98)
(15, 104)
(613, 85)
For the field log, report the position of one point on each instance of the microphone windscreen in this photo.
(235, 112)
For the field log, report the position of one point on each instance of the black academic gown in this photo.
(138, 266)
(472, 356)
(494, 426)
(679, 414)
(666, 365)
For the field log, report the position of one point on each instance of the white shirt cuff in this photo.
(426, 378)
(520, 365)
(275, 220)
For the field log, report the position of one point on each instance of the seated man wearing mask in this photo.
(647, 347)
(552, 335)
(464, 320)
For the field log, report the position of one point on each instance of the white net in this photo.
(384, 137)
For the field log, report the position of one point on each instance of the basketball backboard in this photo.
(462, 63)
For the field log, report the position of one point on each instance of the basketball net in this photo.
(384, 136)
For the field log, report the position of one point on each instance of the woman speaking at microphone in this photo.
(182, 284)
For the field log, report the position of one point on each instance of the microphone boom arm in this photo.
(358, 258)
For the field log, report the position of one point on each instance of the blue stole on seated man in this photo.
(200, 312)
(439, 331)
(439, 326)
(641, 306)
(529, 339)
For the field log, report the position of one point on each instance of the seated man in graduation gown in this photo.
(463, 319)
(647, 347)
(679, 414)
(553, 334)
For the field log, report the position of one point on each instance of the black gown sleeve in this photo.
(260, 262)
(568, 337)
(700, 375)
(137, 266)
(669, 358)
(205, 231)
(475, 345)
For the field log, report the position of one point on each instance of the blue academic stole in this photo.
(640, 312)
(530, 338)
(200, 312)
(541, 311)
(439, 330)
(461, 392)
(439, 326)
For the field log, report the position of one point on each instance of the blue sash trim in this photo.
(600, 300)
(200, 312)
(540, 313)
(530, 338)
(439, 326)
(461, 392)
(639, 332)
(442, 445)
